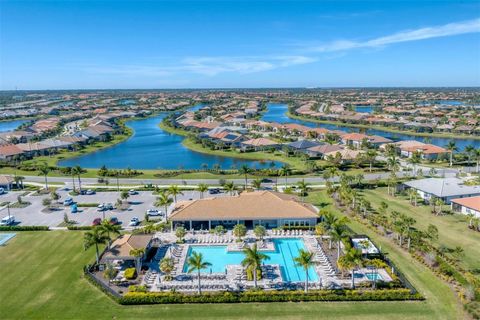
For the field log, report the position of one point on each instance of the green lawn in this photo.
(42, 278)
(440, 302)
(452, 229)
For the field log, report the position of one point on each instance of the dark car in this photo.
(114, 220)
(97, 221)
(265, 180)
(214, 191)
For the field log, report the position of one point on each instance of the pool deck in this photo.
(234, 278)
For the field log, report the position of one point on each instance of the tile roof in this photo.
(246, 206)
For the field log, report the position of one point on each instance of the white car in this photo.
(68, 201)
(134, 221)
(132, 192)
(7, 221)
(154, 213)
(89, 192)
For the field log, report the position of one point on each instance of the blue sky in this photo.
(224, 44)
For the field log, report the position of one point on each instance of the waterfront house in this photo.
(467, 206)
(9, 152)
(301, 146)
(346, 155)
(266, 208)
(321, 150)
(258, 144)
(444, 188)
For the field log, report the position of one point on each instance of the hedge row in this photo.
(133, 298)
(24, 228)
(79, 228)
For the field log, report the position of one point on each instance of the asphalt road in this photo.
(239, 181)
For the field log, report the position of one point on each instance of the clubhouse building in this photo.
(266, 208)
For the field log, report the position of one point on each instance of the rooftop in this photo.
(246, 206)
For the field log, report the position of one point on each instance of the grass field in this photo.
(452, 229)
(43, 279)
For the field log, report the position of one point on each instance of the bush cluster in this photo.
(269, 296)
(130, 273)
(24, 228)
(79, 228)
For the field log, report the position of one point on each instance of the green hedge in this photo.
(24, 228)
(132, 298)
(79, 227)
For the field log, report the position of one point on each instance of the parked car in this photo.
(154, 213)
(89, 192)
(97, 221)
(265, 180)
(108, 206)
(101, 207)
(214, 191)
(114, 221)
(132, 192)
(9, 220)
(68, 201)
(134, 222)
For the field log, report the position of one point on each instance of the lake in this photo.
(10, 125)
(276, 112)
(153, 148)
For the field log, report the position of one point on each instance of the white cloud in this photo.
(451, 29)
(211, 66)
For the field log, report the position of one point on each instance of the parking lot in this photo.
(37, 214)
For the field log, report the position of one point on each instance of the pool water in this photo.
(373, 276)
(285, 251)
(4, 237)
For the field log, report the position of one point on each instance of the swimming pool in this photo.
(373, 276)
(4, 237)
(285, 251)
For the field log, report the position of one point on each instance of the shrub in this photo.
(269, 296)
(130, 273)
(139, 288)
(24, 228)
(74, 228)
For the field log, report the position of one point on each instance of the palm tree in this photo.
(451, 146)
(476, 155)
(253, 260)
(303, 186)
(202, 187)
(353, 257)
(77, 170)
(332, 172)
(174, 190)
(305, 260)
(94, 237)
(166, 266)
(239, 230)
(438, 202)
(229, 187)
(285, 171)
(195, 262)
(163, 200)
(393, 163)
(138, 254)
(257, 184)
(245, 170)
(18, 181)
(109, 229)
(44, 170)
(469, 150)
(414, 160)
(338, 232)
(260, 231)
(71, 171)
(371, 155)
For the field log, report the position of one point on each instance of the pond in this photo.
(10, 125)
(276, 112)
(153, 148)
